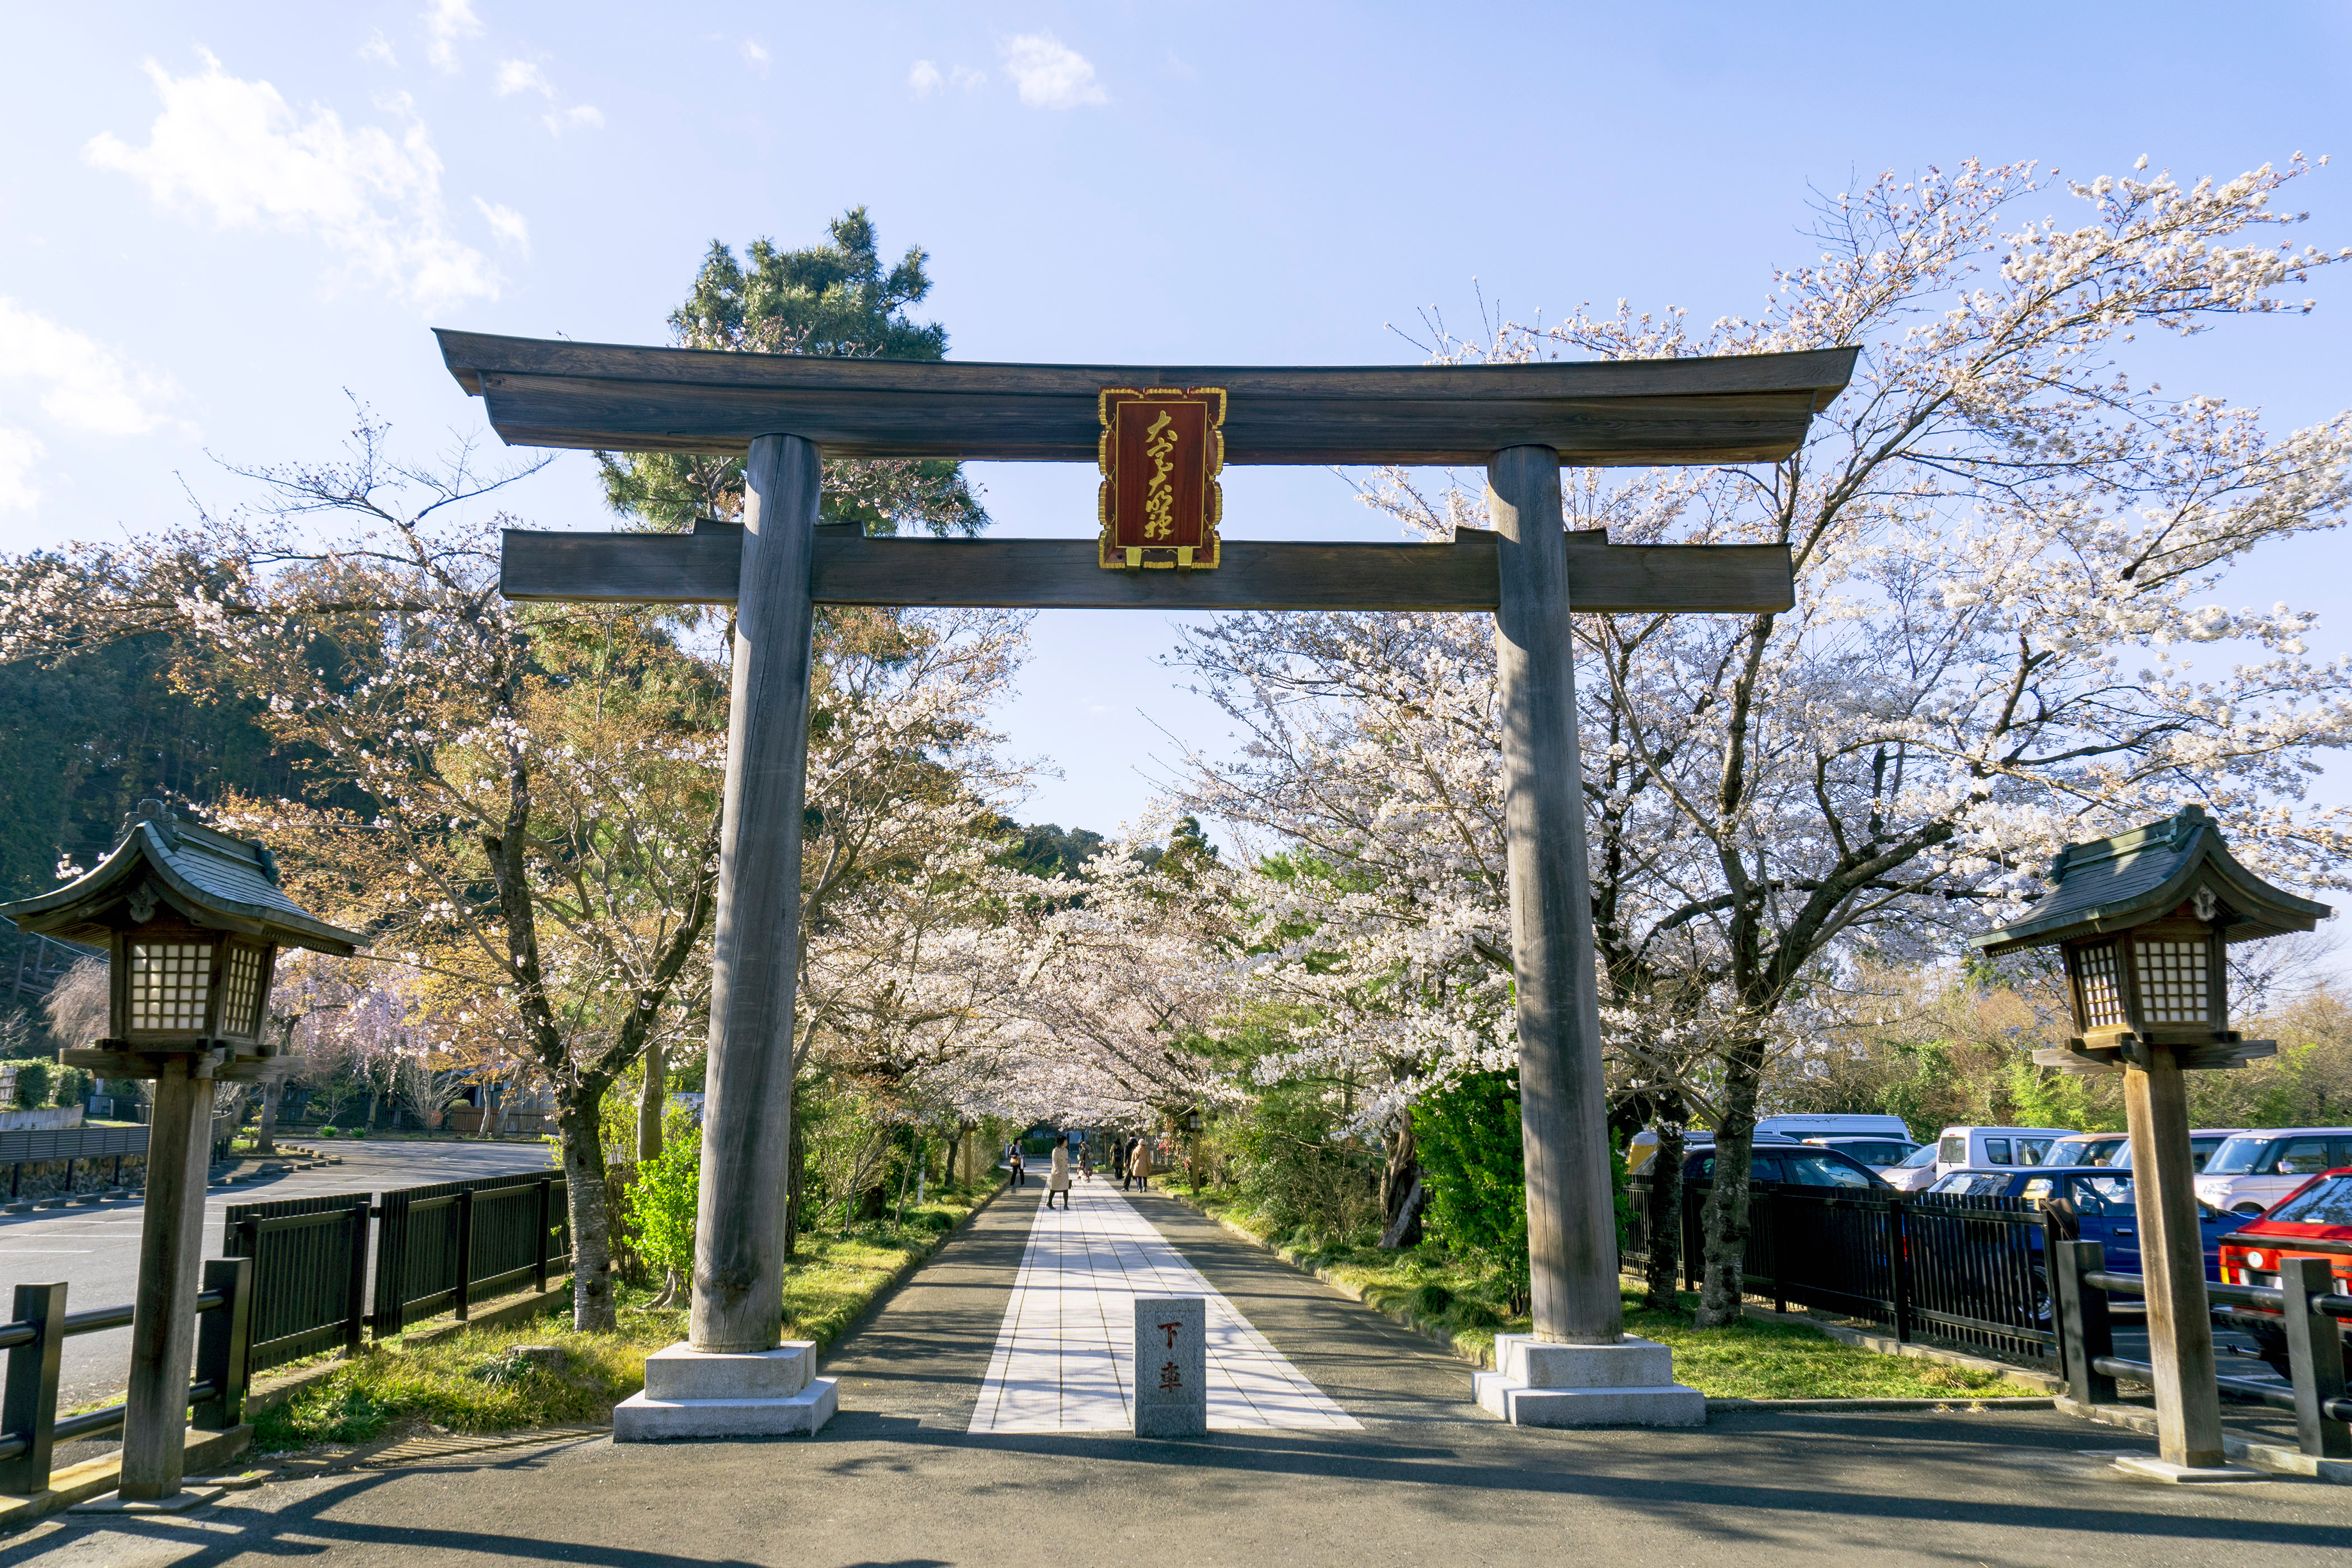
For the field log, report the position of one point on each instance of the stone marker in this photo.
(1171, 1366)
(719, 1394)
(1537, 1383)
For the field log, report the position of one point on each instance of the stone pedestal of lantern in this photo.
(2143, 918)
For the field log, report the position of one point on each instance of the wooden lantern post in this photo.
(2142, 919)
(192, 921)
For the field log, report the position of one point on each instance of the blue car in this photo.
(2102, 1198)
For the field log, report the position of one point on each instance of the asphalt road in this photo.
(96, 1250)
(894, 1479)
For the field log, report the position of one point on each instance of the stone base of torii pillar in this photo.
(713, 1393)
(1536, 1383)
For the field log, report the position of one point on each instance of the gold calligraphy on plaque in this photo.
(1161, 452)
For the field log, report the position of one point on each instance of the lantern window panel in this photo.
(2173, 981)
(170, 984)
(2101, 984)
(241, 991)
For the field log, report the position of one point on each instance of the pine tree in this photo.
(830, 300)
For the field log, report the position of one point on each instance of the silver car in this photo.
(2254, 1170)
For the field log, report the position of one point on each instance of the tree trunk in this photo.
(592, 1230)
(1401, 1194)
(265, 1141)
(1723, 1277)
(1662, 1280)
(795, 1166)
(651, 1098)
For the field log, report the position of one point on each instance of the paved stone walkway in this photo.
(1064, 1358)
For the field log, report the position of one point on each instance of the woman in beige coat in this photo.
(1058, 1179)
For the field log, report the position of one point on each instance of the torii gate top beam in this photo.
(1749, 408)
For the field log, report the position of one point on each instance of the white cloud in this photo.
(755, 55)
(927, 79)
(447, 22)
(1051, 74)
(86, 386)
(18, 452)
(235, 152)
(522, 75)
(379, 48)
(509, 225)
(579, 117)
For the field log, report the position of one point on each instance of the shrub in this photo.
(662, 1207)
(1476, 1173)
(331, 1130)
(1312, 1188)
(73, 1086)
(32, 1084)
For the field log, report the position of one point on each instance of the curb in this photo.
(2043, 1399)
(1403, 1317)
(889, 1287)
(2278, 1459)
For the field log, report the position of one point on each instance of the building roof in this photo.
(210, 879)
(2129, 878)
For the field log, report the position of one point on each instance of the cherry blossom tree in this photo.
(2009, 546)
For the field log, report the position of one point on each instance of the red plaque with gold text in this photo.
(1162, 450)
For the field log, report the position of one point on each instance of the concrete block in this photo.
(2147, 1467)
(1540, 1382)
(1171, 1366)
(681, 1372)
(180, 1501)
(1667, 1405)
(1631, 1363)
(640, 1419)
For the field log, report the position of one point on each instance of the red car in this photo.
(2313, 1221)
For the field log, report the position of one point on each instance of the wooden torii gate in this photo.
(1522, 423)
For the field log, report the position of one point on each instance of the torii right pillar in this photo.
(1577, 1367)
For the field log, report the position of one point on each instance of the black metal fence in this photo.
(30, 1428)
(429, 1251)
(1962, 1268)
(2303, 1309)
(441, 1248)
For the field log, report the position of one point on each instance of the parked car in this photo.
(2204, 1143)
(2313, 1221)
(1915, 1173)
(1978, 1148)
(1644, 1145)
(1881, 1155)
(2089, 1149)
(1809, 1128)
(1800, 1164)
(2257, 1168)
(2101, 1197)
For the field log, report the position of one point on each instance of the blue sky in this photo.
(213, 221)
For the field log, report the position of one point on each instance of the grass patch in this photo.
(1464, 1298)
(477, 1382)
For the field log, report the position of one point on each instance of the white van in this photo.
(2253, 1171)
(1992, 1148)
(1807, 1127)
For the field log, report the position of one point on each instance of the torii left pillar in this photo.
(1577, 1367)
(735, 1376)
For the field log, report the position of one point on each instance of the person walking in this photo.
(1058, 1179)
(1138, 1165)
(1119, 1158)
(1020, 1176)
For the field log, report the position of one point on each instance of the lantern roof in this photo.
(212, 880)
(2129, 879)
